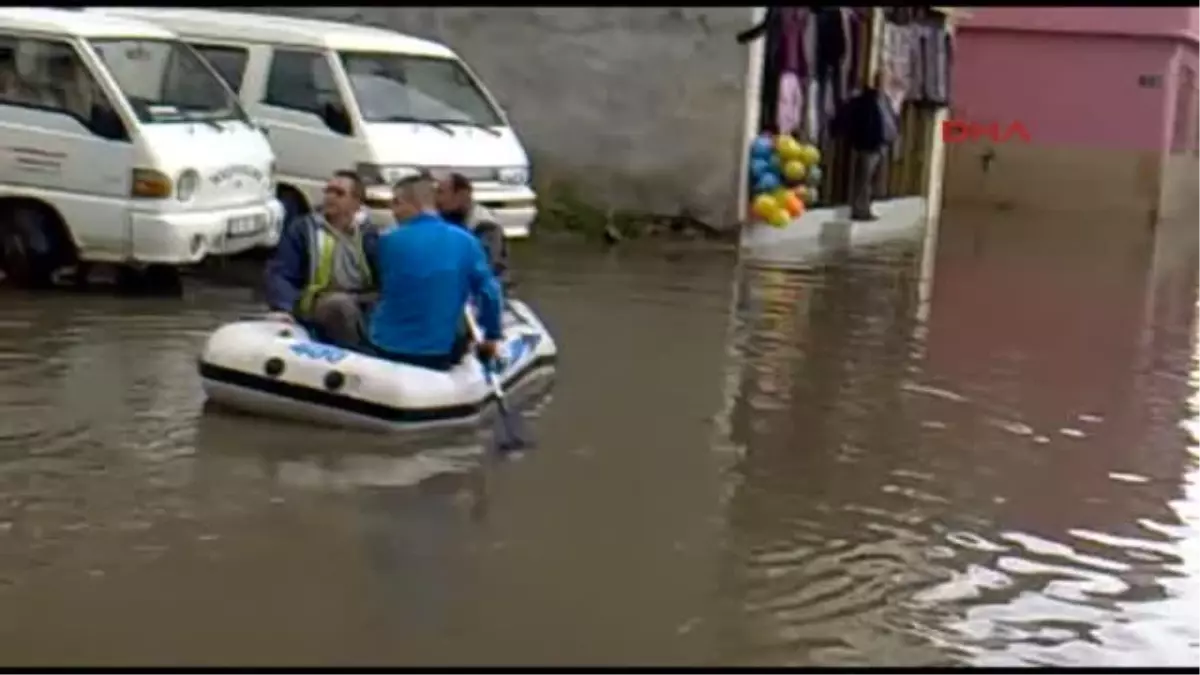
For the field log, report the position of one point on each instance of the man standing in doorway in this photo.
(870, 123)
(323, 272)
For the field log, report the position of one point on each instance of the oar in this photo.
(511, 438)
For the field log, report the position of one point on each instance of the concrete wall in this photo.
(637, 108)
(1096, 129)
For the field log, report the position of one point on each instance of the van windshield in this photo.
(166, 81)
(393, 87)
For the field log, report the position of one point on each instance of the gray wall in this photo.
(636, 108)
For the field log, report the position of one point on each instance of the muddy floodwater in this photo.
(838, 464)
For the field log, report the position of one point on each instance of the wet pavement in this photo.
(832, 465)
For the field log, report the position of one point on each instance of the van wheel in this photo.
(293, 205)
(29, 251)
(155, 280)
(163, 280)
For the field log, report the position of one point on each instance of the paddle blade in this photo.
(510, 431)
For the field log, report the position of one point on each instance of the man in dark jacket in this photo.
(324, 272)
(457, 206)
(871, 125)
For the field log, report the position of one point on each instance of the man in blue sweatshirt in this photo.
(428, 270)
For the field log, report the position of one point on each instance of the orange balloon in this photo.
(793, 204)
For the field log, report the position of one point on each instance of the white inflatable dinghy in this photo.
(275, 368)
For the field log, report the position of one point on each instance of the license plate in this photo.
(246, 226)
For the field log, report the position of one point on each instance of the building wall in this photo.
(1131, 21)
(636, 108)
(1180, 189)
(1092, 124)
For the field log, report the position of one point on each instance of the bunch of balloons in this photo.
(784, 174)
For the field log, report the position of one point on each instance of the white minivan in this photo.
(119, 144)
(336, 96)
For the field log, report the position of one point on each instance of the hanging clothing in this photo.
(859, 26)
(771, 31)
(934, 55)
(794, 20)
(799, 113)
(791, 96)
(834, 54)
(791, 102)
(945, 67)
(896, 65)
(813, 119)
(810, 128)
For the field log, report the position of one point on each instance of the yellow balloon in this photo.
(764, 205)
(780, 194)
(784, 140)
(781, 218)
(810, 155)
(793, 171)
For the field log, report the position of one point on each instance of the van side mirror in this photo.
(106, 123)
(336, 118)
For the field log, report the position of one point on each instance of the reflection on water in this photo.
(1014, 484)
(830, 476)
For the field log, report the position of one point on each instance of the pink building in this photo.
(1108, 95)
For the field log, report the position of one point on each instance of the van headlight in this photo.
(185, 186)
(513, 175)
(374, 174)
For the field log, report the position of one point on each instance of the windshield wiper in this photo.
(473, 123)
(436, 124)
(194, 117)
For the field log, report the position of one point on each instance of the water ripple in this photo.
(950, 493)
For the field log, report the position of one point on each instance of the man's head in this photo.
(454, 195)
(412, 196)
(343, 197)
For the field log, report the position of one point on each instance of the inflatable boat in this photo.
(275, 368)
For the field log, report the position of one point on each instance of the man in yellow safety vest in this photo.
(323, 273)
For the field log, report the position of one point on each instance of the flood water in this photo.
(822, 466)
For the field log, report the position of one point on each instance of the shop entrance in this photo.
(863, 87)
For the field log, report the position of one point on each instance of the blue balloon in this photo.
(775, 162)
(762, 147)
(758, 167)
(767, 182)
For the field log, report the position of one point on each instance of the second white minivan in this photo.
(336, 96)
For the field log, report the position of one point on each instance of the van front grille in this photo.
(475, 174)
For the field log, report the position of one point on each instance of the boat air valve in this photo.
(285, 333)
(334, 380)
(273, 367)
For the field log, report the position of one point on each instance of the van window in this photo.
(49, 75)
(229, 62)
(166, 81)
(300, 81)
(400, 87)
